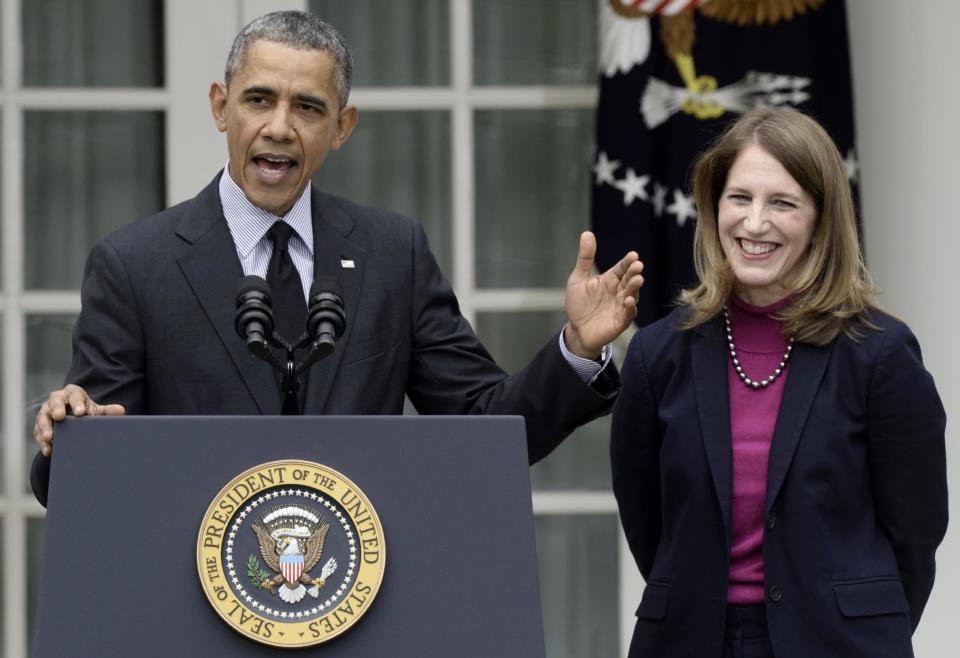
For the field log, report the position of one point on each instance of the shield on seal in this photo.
(291, 566)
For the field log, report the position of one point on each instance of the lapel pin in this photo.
(347, 264)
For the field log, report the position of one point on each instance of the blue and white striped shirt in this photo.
(249, 224)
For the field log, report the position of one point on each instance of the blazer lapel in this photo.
(805, 372)
(334, 254)
(213, 270)
(709, 359)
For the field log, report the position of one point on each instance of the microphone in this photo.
(254, 317)
(326, 319)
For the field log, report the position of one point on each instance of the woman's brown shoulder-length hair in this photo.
(832, 288)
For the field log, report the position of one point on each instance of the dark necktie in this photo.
(289, 307)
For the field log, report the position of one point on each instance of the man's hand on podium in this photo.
(74, 400)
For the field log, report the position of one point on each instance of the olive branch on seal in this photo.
(255, 572)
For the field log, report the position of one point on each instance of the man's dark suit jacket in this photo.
(156, 330)
(856, 498)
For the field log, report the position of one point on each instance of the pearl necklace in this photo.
(752, 383)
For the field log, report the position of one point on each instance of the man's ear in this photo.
(346, 122)
(218, 105)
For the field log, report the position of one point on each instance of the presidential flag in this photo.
(674, 73)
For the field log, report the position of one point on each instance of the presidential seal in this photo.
(290, 553)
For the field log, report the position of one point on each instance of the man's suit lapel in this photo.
(213, 271)
(709, 360)
(805, 372)
(334, 254)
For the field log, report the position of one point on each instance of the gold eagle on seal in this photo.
(291, 542)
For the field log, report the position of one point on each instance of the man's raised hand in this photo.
(599, 306)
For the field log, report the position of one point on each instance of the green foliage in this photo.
(256, 573)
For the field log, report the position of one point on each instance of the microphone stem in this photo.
(290, 385)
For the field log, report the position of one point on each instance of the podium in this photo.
(128, 496)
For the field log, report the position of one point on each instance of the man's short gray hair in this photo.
(300, 30)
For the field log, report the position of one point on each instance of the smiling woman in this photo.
(765, 221)
(778, 448)
(776, 179)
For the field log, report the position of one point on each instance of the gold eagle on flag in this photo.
(678, 34)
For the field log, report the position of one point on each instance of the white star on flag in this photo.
(851, 166)
(633, 187)
(682, 207)
(604, 169)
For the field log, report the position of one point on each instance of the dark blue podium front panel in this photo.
(127, 497)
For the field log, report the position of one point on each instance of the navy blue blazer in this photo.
(156, 331)
(856, 500)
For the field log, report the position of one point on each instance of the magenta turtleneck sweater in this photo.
(753, 416)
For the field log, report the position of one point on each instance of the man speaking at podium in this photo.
(156, 330)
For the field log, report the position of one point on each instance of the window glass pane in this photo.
(35, 531)
(399, 161)
(2, 172)
(3, 584)
(93, 43)
(394, 43)
(87, 173)
(532, 201)
(48, 358)
(582, 461)
(578, 584)
(535, 42)
(2, 420)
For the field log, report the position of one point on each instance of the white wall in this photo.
(906, 71)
